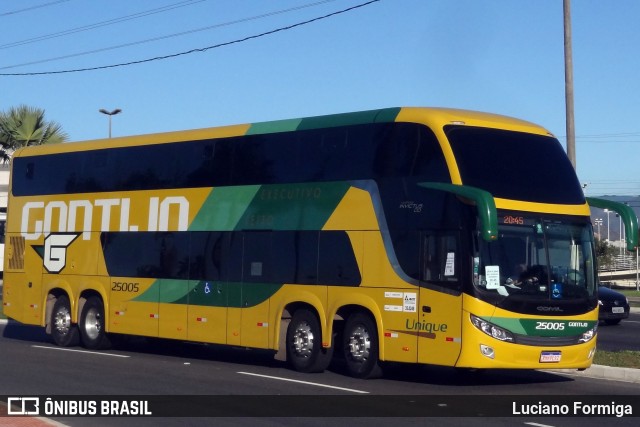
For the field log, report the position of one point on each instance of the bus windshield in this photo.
(514, 165)
(538, 260)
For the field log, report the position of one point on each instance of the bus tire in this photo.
(63, 332)
(91, 325)
(360, 346)
(304, 343)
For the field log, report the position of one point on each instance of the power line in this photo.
(15, 12)
(608, 138)
(204, 49)
(605, 135)
(105, 49)
(612, 186)
(100, 24)
(609, 135)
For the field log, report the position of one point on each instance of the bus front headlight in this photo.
(492, 330)
(589, 335)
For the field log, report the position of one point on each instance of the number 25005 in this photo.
(124, 287)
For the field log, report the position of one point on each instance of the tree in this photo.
(22, 126)
(605, 254)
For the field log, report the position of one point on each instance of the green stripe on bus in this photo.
(274, 127)
(362, 117)
(208, 293)
(306, 206)
(224, 208)
(543, 327)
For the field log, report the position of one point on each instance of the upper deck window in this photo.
(515, 165)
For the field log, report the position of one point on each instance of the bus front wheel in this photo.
(304, 343)
(360, 346)
(63, 332)
(92, 328)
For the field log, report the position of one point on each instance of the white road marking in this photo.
(538, 425)
(305, 382)
(79, 351)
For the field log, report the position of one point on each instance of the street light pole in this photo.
(607, 211)
(110, 113)
(599, 223)
(623, 232)
(620, 233)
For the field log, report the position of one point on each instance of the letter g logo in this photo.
(55, 251)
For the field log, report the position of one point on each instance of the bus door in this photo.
(249, 293)
(439, 326)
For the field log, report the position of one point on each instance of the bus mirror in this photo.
(627, 215)
(484, 203)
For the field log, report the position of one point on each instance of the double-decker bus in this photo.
(415, 235)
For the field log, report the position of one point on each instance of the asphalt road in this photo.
(30, 365)
(624, 336)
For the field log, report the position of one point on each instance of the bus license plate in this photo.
(550, 356)
(617, 310)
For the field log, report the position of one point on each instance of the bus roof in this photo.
(433, 117)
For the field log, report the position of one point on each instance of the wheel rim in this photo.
(92, 324)
(359, 344)
(62, 321)
(302, 340)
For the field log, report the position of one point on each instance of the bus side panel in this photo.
(399, 308)
(314, 296)
(234, 325)
(82, 256)
(22, 289)
(173, 315)
(207, 312)
(254, 326)
(439, 327)
(12, 305)
(134, 310)
(375, 266)
(391, 315)
(396, 299)
(248, 321)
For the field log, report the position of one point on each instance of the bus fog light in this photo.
(487, 351)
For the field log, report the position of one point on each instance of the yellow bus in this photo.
(415, 235)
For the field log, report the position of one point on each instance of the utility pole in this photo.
(568, 84)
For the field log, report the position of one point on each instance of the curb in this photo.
(602, 372)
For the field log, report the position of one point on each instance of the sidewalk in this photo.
(27, 421)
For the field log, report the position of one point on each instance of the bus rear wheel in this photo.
(360, 346)
(63, 332)
(92, 328)
(304, 343)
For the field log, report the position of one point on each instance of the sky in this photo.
(270, 60)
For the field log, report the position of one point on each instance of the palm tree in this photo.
(22, 126)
